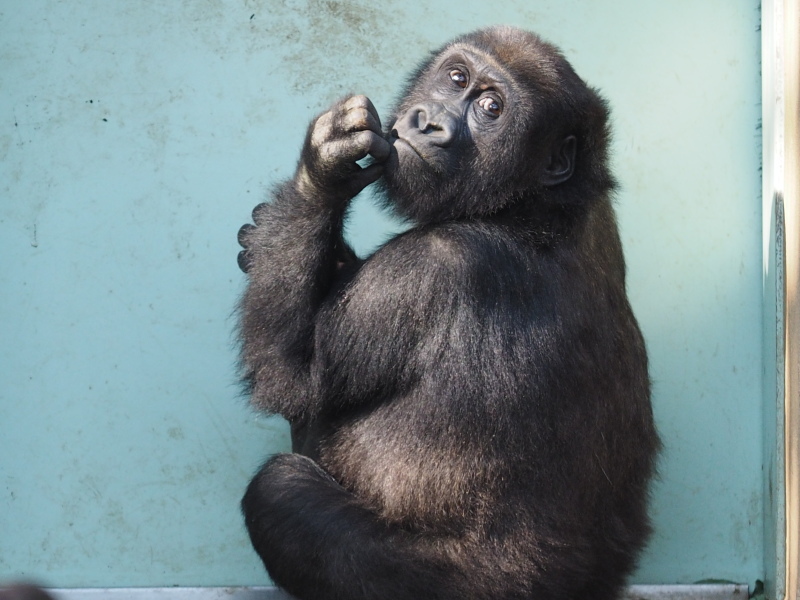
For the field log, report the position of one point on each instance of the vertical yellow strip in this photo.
(791, 74)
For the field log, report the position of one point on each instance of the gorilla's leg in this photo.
(319, 542)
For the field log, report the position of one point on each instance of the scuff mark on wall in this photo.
(324, 46)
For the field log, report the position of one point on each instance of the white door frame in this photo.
(780, 68)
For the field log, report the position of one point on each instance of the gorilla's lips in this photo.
(394, 138)
(416, 158)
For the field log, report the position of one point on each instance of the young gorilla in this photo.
(469, 405)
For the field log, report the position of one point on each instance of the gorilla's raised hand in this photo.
(348, 132)
(328, 175)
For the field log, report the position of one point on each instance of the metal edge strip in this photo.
(634, 592)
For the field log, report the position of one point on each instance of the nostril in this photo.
(427, 124)
(423, 123)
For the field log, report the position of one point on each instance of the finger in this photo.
(357, 120)
(259, 213)
(244, 260)
(244, 232)
(379, 147)
(356, 147)
(364, 177)
(361, 101)
(372, 144)
(321, 129)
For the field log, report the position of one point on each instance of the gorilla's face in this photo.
(456, 114)
(464, 140)
(449, 137)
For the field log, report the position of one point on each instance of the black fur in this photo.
(24, 592)
(469, 405)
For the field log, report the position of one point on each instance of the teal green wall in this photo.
(136, 136)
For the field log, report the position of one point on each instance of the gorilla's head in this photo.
(493, 119)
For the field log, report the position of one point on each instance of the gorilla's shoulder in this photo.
(452, 262)
(453, 244)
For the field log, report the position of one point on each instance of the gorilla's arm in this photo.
(292, 252)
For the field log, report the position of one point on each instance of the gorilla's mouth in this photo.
(410, 150)
(397, 141)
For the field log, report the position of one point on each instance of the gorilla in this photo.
(469, 405)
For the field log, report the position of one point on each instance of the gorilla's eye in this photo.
(491, 105)
(459, 77)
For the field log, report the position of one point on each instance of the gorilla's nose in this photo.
(431, 120)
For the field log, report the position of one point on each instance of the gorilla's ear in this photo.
(562, 162)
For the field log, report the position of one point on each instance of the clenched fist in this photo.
(348, 132)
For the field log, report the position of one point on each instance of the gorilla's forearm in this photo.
(292, 253)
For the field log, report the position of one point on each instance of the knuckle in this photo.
(322, 130)
(317, 138)
(322, 120)
(362, 116)
(358, 101)
(364, 139)
(356, 119)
